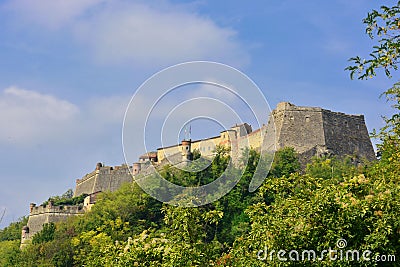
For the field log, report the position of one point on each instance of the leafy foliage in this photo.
(46, 235)
(332, 167)
(295, 211)
(313, 213)
(285, 162)
(66, 199)
(10, 253)
(383, 24)
(13, 231)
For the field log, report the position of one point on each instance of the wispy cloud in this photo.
(28, 115)
(49, 14)
(134, 33)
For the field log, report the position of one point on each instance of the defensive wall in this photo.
(309, 130)
(40, 215)
(103, 178)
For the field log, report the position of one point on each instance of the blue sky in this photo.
(69, 68)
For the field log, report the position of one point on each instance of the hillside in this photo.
(332, 200)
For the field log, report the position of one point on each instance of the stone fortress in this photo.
(310, 131)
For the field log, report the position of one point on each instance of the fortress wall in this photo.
(45, 214)
(35, 223)
(86, 184)
(119, 177)
(167, 151)
(102, 181)
(110, 179)
(255, 138)
(347, 134)
(299, 127)
(310, 130)
(271, 134)
(251, 140)
(207, 146)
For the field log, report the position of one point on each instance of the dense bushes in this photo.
(295, 211)
(66, 199)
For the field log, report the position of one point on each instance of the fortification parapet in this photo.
(72, 209)
(309, 130)
(103, 178)
(40, 215)
(313, 131)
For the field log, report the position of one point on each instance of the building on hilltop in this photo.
(315, 131)
(309, 130)
(40, 215)
(148, 157)
(230, 138)
(103, 178)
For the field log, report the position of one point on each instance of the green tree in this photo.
(9, 253)
(196, 154)
(235, 221)
(45, 235)
(285, 162)
(330, 167)
(129, 204)
(68, 194)
(191, 235)
(313, 213)
(383, 25)
(13, 231)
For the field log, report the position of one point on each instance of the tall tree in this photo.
(383, 25)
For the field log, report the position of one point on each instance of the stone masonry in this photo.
(309, 130)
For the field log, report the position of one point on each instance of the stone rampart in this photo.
(103, 179)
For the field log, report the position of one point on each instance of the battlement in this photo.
(87, 177)
(286, 106)
(309, 130)
(40, 215)
(100, 169)
(38, 210)
(103, 178)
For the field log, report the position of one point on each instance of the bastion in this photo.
(311, 131)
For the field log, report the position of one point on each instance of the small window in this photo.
(307, 118)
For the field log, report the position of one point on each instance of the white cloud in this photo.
(50, 14)
(215, 91)
(144, 35)
(135, 33)
(28, 115)
(109, 109)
